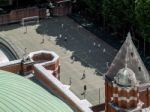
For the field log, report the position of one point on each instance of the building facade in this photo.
(45, 67)
(127, 82)
(15, 15)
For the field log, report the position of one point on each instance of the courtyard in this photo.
(80, 51)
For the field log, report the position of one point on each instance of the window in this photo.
(132, 54)
(139, 68)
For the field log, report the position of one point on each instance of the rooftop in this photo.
(22, 95)
(128, 57)
(53, 33)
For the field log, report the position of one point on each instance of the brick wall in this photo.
(28, 67)
(61, 11)
(42, 57)
(143, 96)
(42, 13)
(14, 68)
(4, 19)
(141, 93)
(108, 95)
(17, 15)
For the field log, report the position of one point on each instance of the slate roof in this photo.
(128, 57)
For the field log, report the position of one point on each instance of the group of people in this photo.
(84, 87)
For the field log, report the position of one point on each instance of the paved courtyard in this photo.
(79, 51)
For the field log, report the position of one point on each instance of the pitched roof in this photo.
(128, 57)
(18, 94)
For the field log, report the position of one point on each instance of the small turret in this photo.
(125, 77)
(126, 87)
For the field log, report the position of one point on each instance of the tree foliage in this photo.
(94, 6)
(119, 14)
(142, 11)
(4, 2)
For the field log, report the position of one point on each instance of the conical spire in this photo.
(128, 57)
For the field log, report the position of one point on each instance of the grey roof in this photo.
(125, 77)
(128, 57)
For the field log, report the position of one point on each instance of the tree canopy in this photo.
(121, 16)
(4, 2)
(142, 11)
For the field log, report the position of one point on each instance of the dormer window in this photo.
(139, 68)
(132, 54)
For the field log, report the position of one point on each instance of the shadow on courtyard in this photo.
(8, 27)
(16, 25)
(88, 49)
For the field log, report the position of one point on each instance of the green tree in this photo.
(4, 2)
(119, 15)
(93, 6)
(142, 10)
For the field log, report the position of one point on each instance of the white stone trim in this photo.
(53, 54)
(115, 95)
(127, 99)
(128, 90)
(135, 88)
(10, 63)
(60, 86)
(112, 98)
(122, 98)
(123, 88)
(119, 88)
(132, 98)
(114, 85)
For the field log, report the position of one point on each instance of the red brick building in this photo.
(49, 8)
(62, 7)
(127, 82)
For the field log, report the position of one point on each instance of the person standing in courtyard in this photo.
(25, 51)
(83, 75)
(65, 39)
(85, 88)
